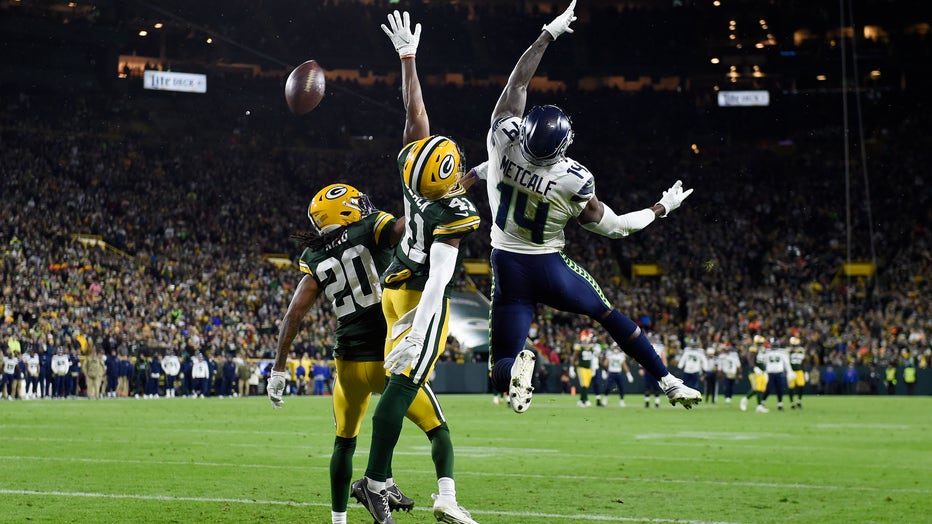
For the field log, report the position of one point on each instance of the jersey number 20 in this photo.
(351, 281)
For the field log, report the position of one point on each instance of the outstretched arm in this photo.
(514, 96)
(304, 298)
(599, 218)
(417, 125)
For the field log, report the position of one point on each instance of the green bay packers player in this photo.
(584, 356)
(796, 382)
(415, 298)
(757, 377)
(343, 261)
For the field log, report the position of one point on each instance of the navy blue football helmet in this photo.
(546, 132)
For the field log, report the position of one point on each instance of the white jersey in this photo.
(616, 360)
(32, 365)
(60, 364)
(171, 365)
(693, 360)
(200, 369)
(9, 365)
(729, 363)
(531, 204)
(777, 360)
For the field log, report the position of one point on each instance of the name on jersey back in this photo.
(526, 178)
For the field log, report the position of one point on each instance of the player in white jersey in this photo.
(10, 362)
(534, 189)
(615, 364)
(730, 364)
(32, 374)
(778, 368)
(171, 365)
(692, 362)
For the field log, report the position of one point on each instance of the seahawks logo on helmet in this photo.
(432, 167)
(338, 205)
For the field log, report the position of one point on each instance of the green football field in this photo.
(841, 459)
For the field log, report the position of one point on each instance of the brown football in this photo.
(305, 87)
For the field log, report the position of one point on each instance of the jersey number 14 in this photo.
(515, 203)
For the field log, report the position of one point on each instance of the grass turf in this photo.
(840, 459)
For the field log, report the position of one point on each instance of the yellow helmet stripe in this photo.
(423, 155)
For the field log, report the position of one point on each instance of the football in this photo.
(305, 87)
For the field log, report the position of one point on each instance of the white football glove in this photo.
(758, 371)
(404, 353)
(604, 375)
(673, 198)
(276, 388)
(572, 372)
(561, 24)
(630, 377)
(402, 38)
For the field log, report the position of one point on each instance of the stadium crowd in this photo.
(188, 215)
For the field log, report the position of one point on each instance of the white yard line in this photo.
(303, 467)
(169, 498)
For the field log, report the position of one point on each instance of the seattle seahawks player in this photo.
(533, 191)
(415, 300)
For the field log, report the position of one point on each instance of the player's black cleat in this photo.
(398, 500)
(376, 503)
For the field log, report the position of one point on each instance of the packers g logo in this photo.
(447, 167)
(335, 192)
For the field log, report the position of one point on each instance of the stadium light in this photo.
(715, 60)
(143, 33)
(158, 25)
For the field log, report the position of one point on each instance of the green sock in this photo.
(341, 472)
(398, 395)
(441, 450)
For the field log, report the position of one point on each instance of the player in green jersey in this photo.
(415, 300)
(343, 261)
(797, 381)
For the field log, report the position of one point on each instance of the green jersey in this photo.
(586, 356)
(797, 357)
(347, 270)
(450, 217)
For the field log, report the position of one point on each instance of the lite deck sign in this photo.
(168, 81)
(743, 98)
